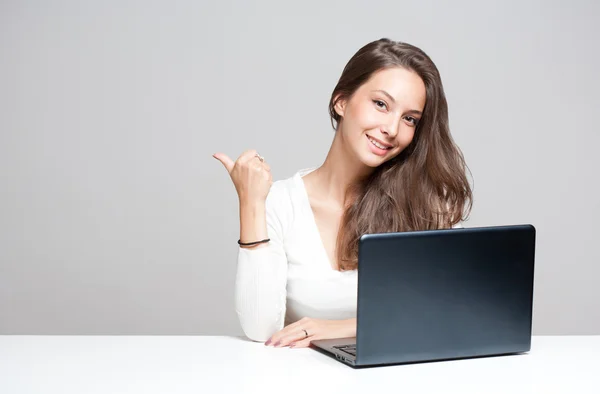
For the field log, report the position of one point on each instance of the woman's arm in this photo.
(260, 286)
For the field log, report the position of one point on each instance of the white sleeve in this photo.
(260, 285)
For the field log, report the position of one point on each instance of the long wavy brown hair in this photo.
(425, 187)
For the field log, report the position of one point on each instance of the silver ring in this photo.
(262, 159)
(305, 333)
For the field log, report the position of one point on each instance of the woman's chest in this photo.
(327, 228)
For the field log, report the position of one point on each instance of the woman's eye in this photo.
(412, 120)
(378, 102)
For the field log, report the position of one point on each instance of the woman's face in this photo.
(383, 111)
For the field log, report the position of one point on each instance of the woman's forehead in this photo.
(404, 86)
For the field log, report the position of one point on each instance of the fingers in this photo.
(244, 157)
(302, 343)
(252, 155)
(225, 160)
(247, 155)
(278, 336)
(291, 333)
(293, 337)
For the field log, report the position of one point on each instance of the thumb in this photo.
(225, 160)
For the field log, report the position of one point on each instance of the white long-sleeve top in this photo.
(290, 277)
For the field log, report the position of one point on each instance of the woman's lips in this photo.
(376, 150)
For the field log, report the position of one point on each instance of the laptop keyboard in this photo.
(350, 349)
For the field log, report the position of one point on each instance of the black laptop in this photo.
(441, 295)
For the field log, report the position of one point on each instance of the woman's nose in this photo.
(391, 128)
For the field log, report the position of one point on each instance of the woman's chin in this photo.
(373, 161)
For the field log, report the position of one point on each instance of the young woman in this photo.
(392, 166)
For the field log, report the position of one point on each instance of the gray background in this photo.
(115, 219)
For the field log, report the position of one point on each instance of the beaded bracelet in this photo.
(253, 243)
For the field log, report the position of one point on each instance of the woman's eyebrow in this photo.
(412, 111)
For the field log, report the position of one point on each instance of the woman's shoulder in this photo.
(286, 195)
(288, 188)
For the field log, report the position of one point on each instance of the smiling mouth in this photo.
(378, 144)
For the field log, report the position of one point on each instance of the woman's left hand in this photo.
(305, 330)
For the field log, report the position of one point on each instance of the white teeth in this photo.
(377, 144)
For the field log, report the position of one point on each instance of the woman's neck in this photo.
(339, 170)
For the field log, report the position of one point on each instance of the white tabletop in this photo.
(204, 364)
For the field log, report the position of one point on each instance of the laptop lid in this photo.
(443, 294)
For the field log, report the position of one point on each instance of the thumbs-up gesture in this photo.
(250, 174)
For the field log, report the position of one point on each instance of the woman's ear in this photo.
(340, 106)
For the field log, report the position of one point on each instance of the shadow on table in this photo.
(243, 338)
